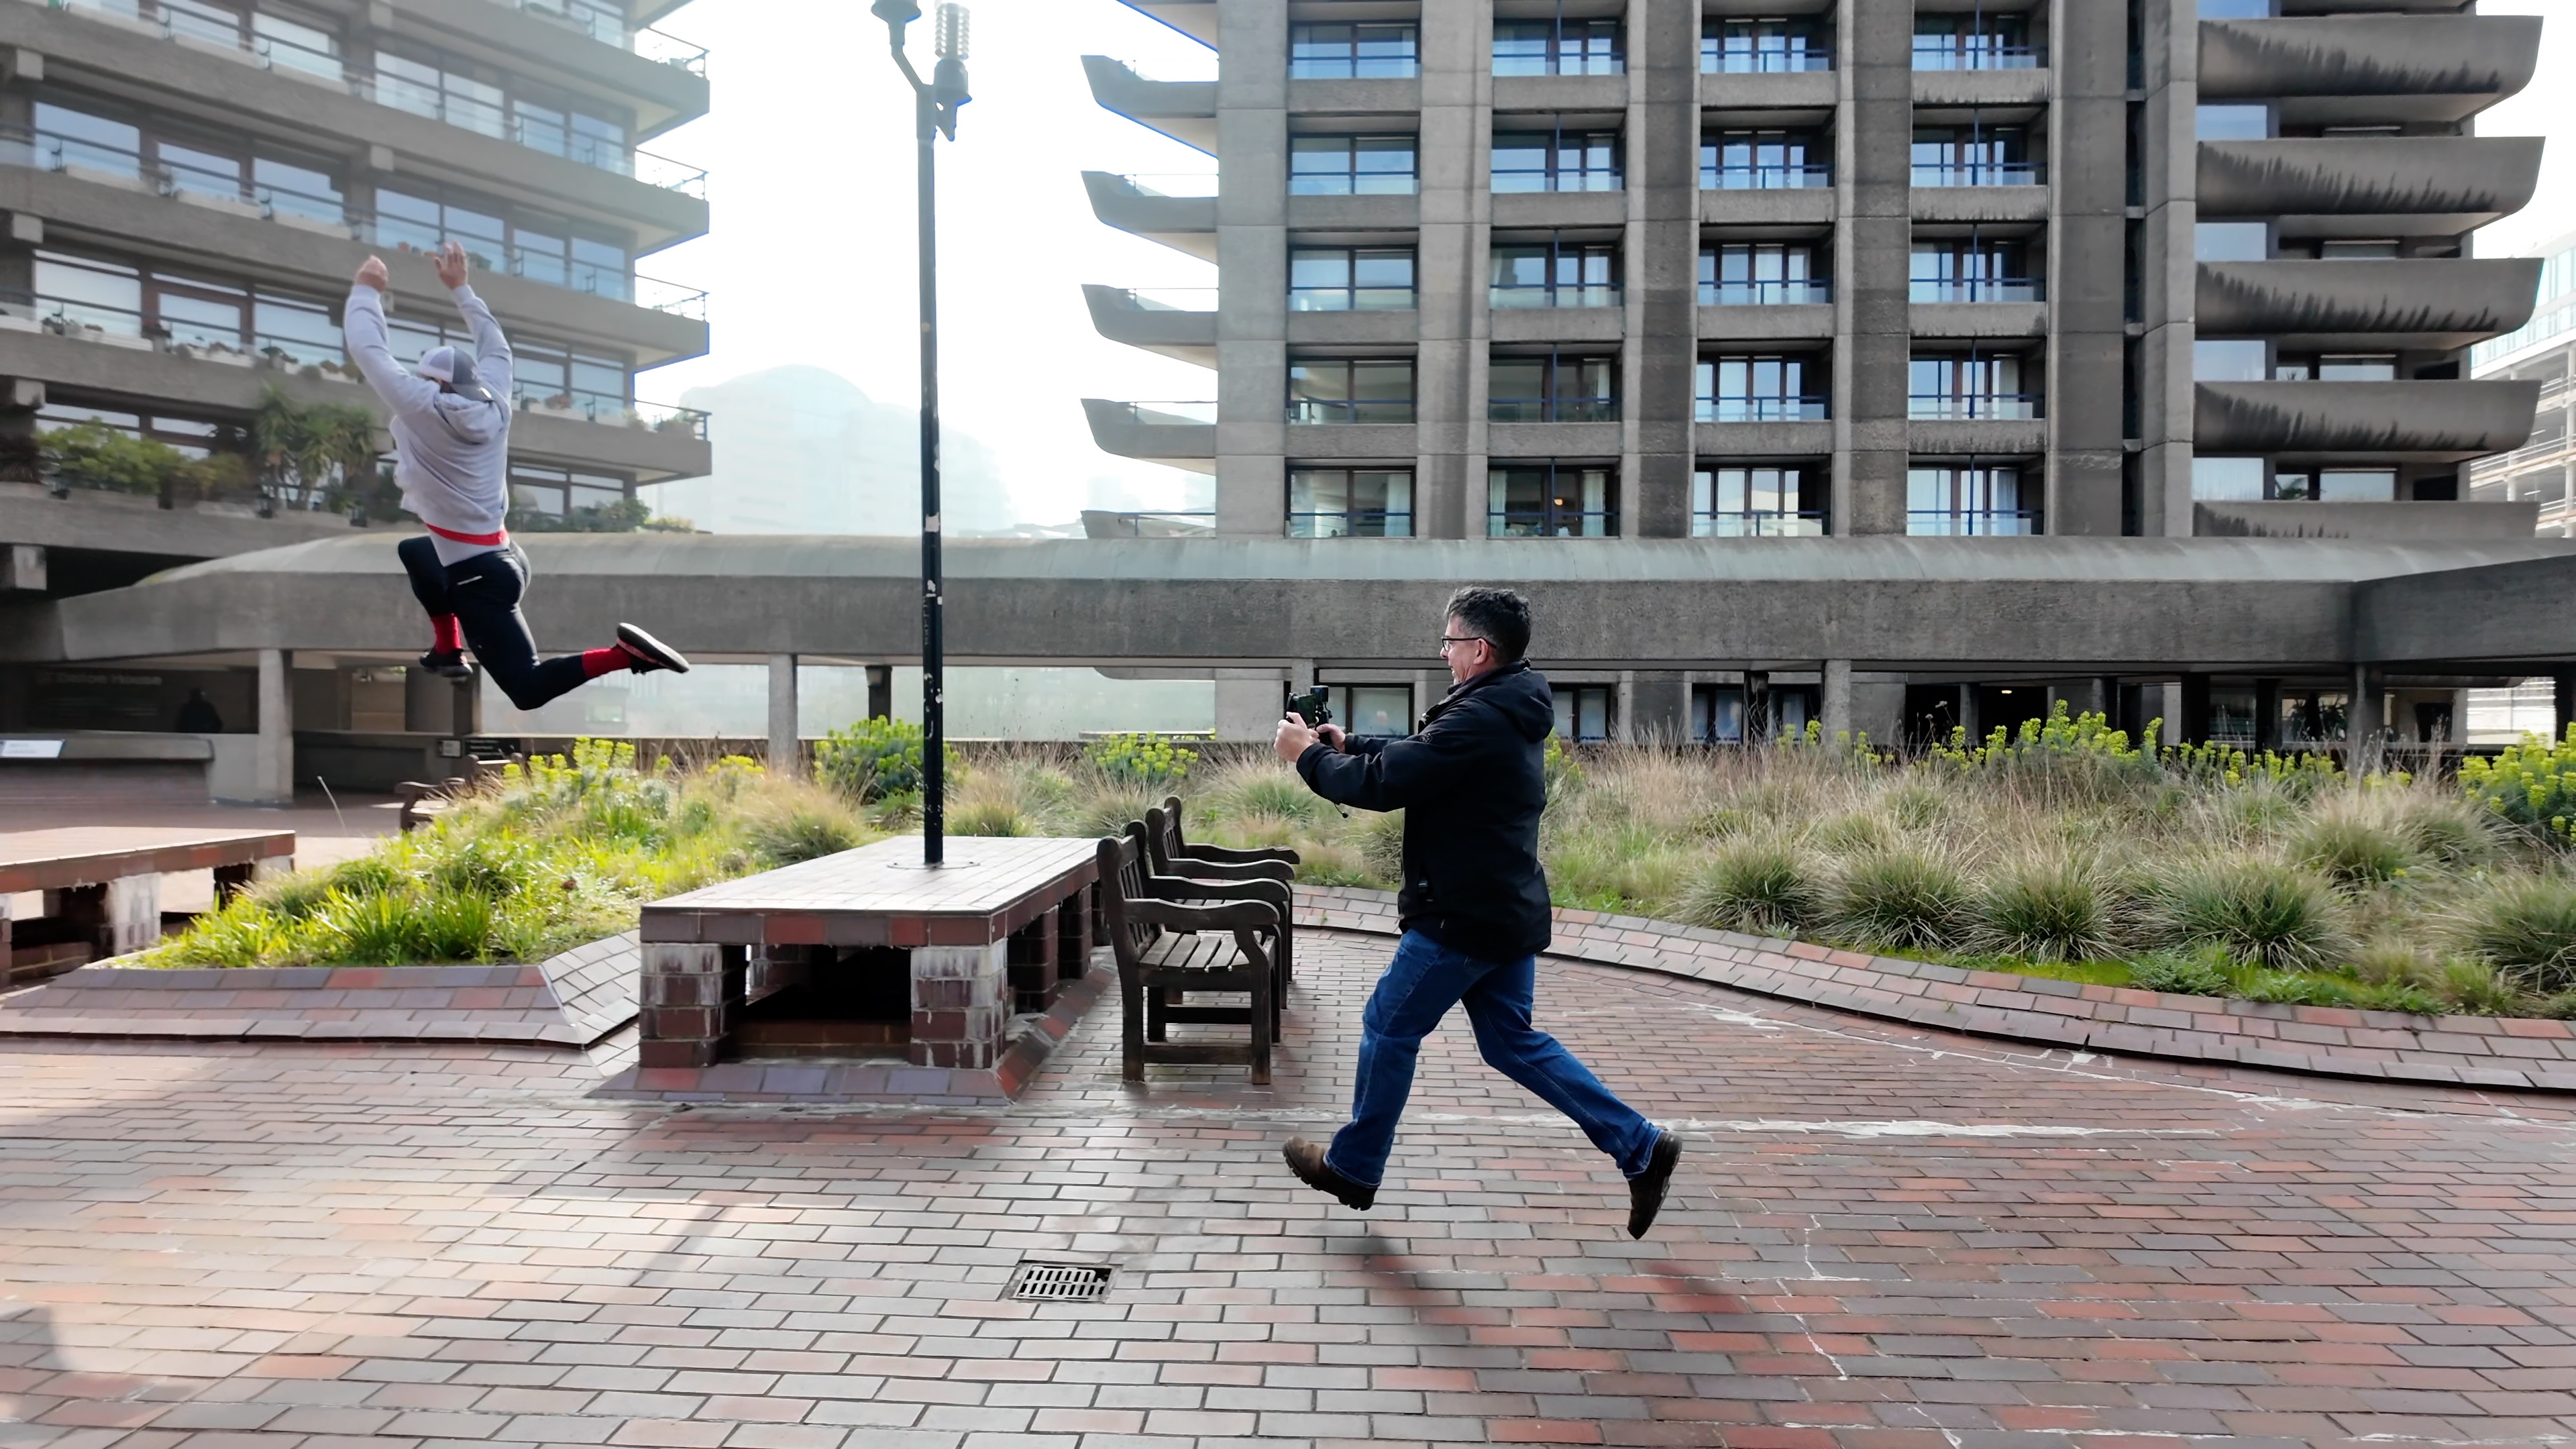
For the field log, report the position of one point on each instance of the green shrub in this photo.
(2479, 989)
(987, 817)
(1276, 793)
(2046, 910)
(2453, 834)
(2202, 973)
(1147, 760)
(2260, 912)
(804, 830)
(2296, 988)
(877, 758)
(1379, 835)
(2532, 784)
(2407, 996)
(2526, 929)
(1854, 834)
(2352, 846)
(1916, 806)
(1900, 900)
(1107, 812)
(1761, 886)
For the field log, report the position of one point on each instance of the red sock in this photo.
(596, 662)
(449, 638)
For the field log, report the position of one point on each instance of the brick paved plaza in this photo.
(1881, 1237)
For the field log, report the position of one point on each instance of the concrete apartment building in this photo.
(2542, 351)
(1590, 274)
(188, 185)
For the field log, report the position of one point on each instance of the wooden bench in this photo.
(1238, 880)
(1219, 854)
(422, 803)
(1170, 943)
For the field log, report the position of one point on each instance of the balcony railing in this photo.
(1759, 523)
(612, 411)
(1974, 406)
(1759, 410)
(1193, 414)
(1170, 299)
(1352, 523)
(1552, 409)
(1948, 523)
(1977, 173)
(117, 166)
(1354, 183)
(1765, 178)
(1969, 54)
(1974, 289)
(1351, 299)
(1149, 523)
(1350, 410)
(1764, 294)
(1572, 295)
(607, 25)
(1551, 523)
(1522, 179)
(1722, 58)
(401, 93)
(1175, 185)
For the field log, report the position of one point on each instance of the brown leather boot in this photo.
(1306, 1159)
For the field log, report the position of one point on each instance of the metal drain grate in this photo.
(1060, 1282)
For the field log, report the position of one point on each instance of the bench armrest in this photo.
(1273, 893)
(1233, 855)
(1203, 868)
(1235, 915)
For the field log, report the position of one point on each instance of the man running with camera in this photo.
(1472, 785)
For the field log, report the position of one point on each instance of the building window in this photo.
(1763, 47)
(2331, 367)
(192, 437)
(1759, 388)
(1552, 500)
(1718, 713)
(1350, 390)
(544, 499)
(1972, 269)
(1350, 279)
(2238, 359)
(1353, 52)
(1372, 709)
(1557, 47)
(1969, 385)
(207, 318)
(1764, 161)
(1350, 502)
(1974, 41)
(503, 239)
(1556, 161)
(1944, 499)
(2228, 480)
(2231, 241)
(2336, 485)
(1556, 274)
(1552, 389)
(1973, 155)
(1583, 713)
(1350, 166)
(1757, 500)
(2232, 123)
(475, 97)
(1735, 274)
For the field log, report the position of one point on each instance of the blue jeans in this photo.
(1420, 985)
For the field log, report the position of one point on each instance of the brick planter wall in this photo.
(2481, 1051)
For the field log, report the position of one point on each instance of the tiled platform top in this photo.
(82, 855)
(984, 875)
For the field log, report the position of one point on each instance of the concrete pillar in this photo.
(22, 568)
(2088, 221)
(465, 704)
(2267, 715)
(1873, 254)
(275, 776)
(2364, 720)
(1837, 700)
(2102, 697)
(961, 1004)
(1249, 704)
(1252, 268)
(1655, 708)
(1971, 716)
(1451, 268)
(880, 691)
(428, 708)
(786, 754)
(689, 995)
(1662, 268)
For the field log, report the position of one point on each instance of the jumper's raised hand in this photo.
(451, 263)
(371, 273)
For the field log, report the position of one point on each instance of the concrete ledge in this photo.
(2516, 1053)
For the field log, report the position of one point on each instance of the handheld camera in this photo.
(1311, 707)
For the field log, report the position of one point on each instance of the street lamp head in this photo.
(948, 79)
(952, 31)
(897, 13)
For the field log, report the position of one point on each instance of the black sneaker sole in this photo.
(447, 668)
(653, 651)
(1646, 1190)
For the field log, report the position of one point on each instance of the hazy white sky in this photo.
(809, 154)
(810, 258)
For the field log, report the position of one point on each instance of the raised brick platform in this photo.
(574, 999)
(2478, 1051)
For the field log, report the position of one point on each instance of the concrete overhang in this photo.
(2435, 304)
(1559, 324)
(1188, 336)
(2431, 422)
(1727, 98)
(1979, 204)
(1391, 327)
(2370, 186)
(212, 86)
(1979, 319)
(1193, 18)
(146, 377)
(1183, 223)
(1356, 96)
(2133, 604)
(1981, 90)
(2370, 68)
(1522, 99)
(1567, 441)
(318, 260)
(1777, 322)
(1138, 430)
(1989, 437)
(2402, 522)
(126, 523)
(1801, 208)
(1185, 111)
(2505, 613)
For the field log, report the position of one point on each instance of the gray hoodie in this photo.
(451, 449)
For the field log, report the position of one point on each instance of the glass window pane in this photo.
(77, 138)
(2227, 479)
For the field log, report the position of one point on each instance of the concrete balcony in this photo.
(1596, 94)
(1807, 91)
(1531, 210)
(1182, 110)
(146, 375)
(661, 93)
(2392, 522)
(2370, 186)
(1991, 437)
(2431, 422)
(1775, 322)
(89, 521)
(1391, 327)
(2433, 304)
(1134, 204)
(1354, 213)
(1974, 204)
(1557, 324)
(1193, 18)
(1978, 319)
(1182, 435)
(1351, 441)
(1158, 322)
(81, 214)
(1356, 96)
(2360, 68)
(1763, 440)
(1782, 206)
(1552, 440)
(83, 46)
(1986, 90)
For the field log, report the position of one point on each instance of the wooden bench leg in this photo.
(1263, 1012)
(1131, 1028)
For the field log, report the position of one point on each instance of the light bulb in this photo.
(952, 31)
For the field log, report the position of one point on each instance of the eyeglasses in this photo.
(1448, 639)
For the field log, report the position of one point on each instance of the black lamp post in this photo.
(934, 114)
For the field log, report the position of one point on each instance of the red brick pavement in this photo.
(1881, 1236)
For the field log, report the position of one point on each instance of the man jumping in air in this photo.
(451, 427)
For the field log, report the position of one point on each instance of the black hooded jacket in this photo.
(1471, 784)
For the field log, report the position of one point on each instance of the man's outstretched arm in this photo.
(362, 326)
(493, 364)
(1397, 773)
